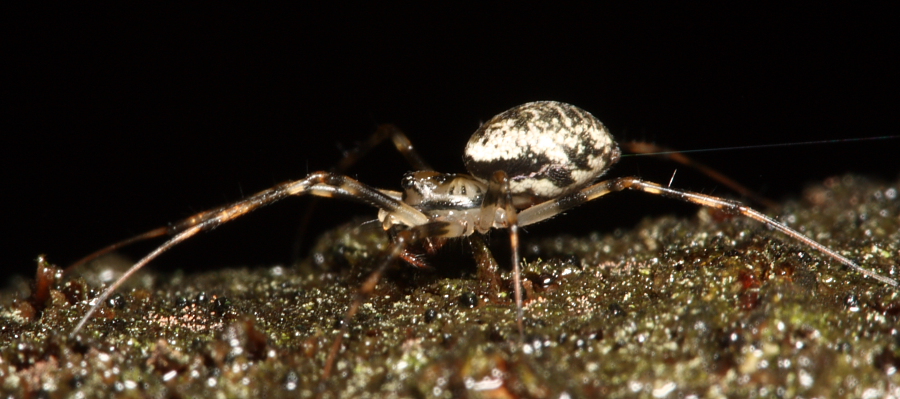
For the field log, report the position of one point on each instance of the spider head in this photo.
(428, 190)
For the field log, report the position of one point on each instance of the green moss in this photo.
(710, 306)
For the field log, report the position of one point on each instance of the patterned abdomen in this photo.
(547, 148)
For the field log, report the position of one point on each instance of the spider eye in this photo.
(408, 181)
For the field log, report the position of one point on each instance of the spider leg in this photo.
(551, 208)
(157, 232)
(322, 184)
(386, 131)
(488, 269)
(401, 241)
(401, 142)
(497, 210)
(640, 147)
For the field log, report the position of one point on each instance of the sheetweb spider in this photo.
(525, 165)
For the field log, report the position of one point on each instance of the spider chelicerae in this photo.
(527, 164)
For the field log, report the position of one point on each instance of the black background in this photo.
(121, 120)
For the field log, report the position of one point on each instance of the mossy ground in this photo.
(706, 306)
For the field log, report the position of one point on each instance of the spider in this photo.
(526, 165)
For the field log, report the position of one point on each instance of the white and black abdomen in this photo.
(547, 149)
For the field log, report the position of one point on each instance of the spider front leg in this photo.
(551, 208)
(386, 131)
(321, 184)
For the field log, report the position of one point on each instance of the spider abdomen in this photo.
(547, 149)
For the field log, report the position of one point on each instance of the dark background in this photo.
(122, 120)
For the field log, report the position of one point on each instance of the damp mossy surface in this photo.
(705, 306)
